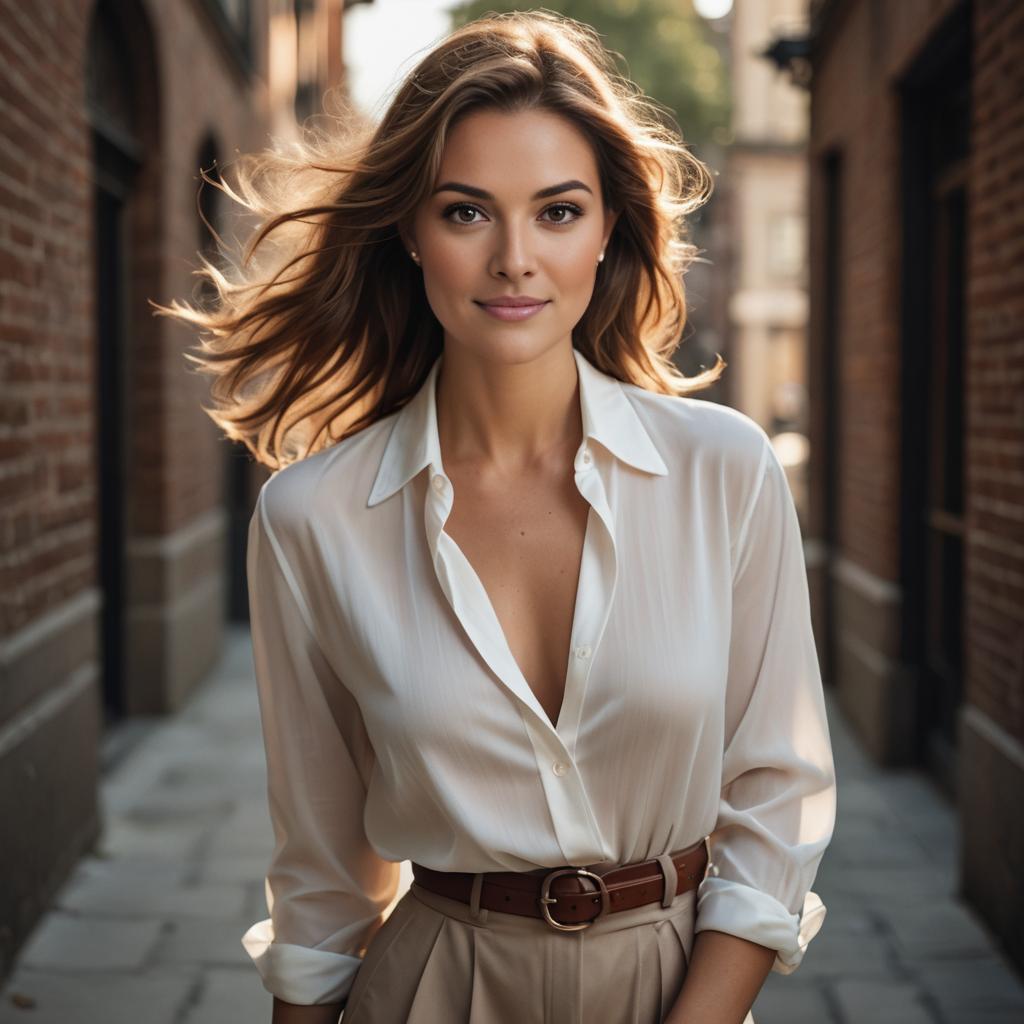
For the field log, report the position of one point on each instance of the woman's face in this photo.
(486, 233)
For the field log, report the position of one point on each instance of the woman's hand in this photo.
(722, 981)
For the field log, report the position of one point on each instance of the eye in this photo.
(571, 207)
(458, 208)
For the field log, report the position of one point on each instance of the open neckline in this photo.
(569, 678)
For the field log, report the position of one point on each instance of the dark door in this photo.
(830, 465)
(116, 158)
(937, 137)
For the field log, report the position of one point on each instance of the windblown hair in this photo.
(324, 327)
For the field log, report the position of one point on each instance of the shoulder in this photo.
(327, 486)
(684, 427)
(718, 455)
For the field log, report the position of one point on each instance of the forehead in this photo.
(517, 153)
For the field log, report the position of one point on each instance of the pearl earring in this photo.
(413, 255)
(601, 257)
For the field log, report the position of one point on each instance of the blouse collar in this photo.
(608, 417)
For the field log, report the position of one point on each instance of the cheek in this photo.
(574, 271)
(574, 259)
(581, 270)
(450, 275)
(453, 266)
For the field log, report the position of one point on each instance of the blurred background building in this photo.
(860, 265)
(765, 177)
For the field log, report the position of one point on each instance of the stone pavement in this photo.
(147, 929)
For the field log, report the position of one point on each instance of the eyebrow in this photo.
(479, 193)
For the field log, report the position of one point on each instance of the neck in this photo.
(507, 418)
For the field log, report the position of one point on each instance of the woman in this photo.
(535, 619)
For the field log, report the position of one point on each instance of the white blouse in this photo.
(398, 726)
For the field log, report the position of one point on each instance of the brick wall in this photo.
(854, 109)
(188, 87)
(868, 595)
(995, 384)
(47, 537)
(46, 520)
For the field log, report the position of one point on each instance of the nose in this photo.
(512, 257)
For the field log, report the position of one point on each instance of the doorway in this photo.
(120, 112)
(936, 146)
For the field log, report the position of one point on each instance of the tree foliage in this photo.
(662, 45)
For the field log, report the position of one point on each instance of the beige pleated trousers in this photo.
(437, 961)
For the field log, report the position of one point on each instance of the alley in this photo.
(148, 928)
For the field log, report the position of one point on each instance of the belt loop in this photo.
(668, 869)
(474, 896)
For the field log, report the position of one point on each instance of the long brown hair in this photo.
(323, 326)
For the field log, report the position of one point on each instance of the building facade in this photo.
(765, 176)
(917, 405)
(124, 513)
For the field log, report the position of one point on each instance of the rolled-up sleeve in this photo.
(778, 797)
(326, 889)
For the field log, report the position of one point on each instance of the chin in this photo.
(514, 351)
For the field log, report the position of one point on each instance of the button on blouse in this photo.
(398, 726)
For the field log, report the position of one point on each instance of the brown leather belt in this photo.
(575, 890)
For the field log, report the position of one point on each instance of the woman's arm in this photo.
(723, 979)
(326, 888)
(289, 1013)
(777, 802)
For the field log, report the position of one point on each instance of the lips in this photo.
(515, 308)
(513, 300)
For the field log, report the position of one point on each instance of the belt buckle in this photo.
(545, 899)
